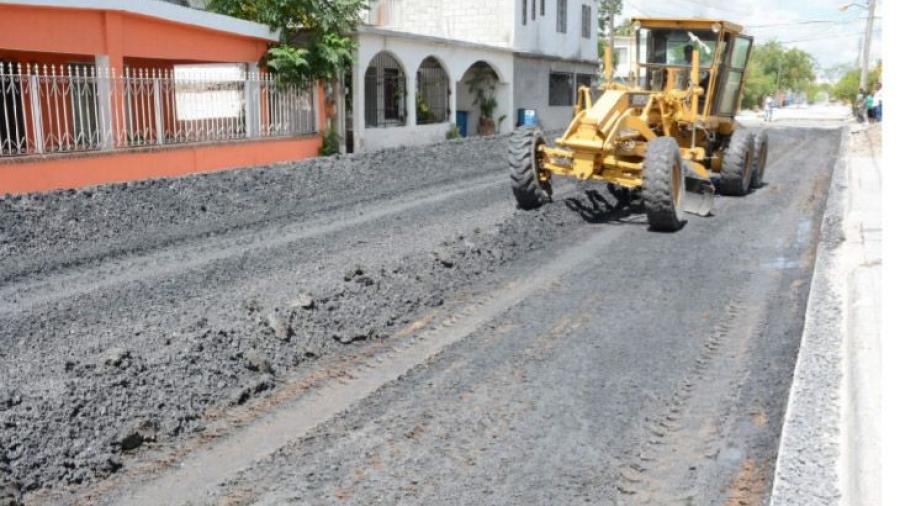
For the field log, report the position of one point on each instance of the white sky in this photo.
(833, 39)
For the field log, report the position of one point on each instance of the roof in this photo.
(166, 11)
(695, 23)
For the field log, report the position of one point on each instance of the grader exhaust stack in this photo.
(668, 136)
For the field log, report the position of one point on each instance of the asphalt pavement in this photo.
(423, 345)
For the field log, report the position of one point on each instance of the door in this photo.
(732, 76)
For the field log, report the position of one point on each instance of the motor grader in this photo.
(667, 135)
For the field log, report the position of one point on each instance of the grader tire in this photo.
(529, 191)
(737, 164)
(663, 185)
(760, 157)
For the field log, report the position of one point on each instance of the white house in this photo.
(422, 65)
(625, 56)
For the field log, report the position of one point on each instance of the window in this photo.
(562, 91)
(524, 12)
(586, 21)
(583, 80)
(533, 9)
(543, 7)
(384, 92)
(432, 93)
(561, 15)
(730, 88)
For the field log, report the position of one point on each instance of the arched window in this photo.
(385, 92)
(432, 93)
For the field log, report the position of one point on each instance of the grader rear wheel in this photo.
(663, 185)
(737, 164)
(528, 188)
(760, 157)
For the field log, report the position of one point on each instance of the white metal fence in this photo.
(77, 108)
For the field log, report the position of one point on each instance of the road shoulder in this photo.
(828, 452)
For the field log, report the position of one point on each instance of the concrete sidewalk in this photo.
(830, 441)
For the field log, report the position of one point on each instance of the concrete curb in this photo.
(809, 467)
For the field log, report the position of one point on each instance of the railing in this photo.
(383, 13)
(78, 108)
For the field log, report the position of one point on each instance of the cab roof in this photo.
(688, 23)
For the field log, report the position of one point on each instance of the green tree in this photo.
(604, 9)
(315, 35)
(774, 68)
(847, 87)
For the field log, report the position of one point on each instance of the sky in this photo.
(818, 27)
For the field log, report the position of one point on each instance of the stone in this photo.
(256, 362)
(445, 257)
(279, 326)
(304, 301)
(354, 272)
(115, 357)
(140, 432)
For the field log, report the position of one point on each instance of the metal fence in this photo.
(77, 108)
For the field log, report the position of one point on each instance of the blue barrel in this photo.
(526, 117)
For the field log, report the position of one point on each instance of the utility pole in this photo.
(611, 29)
(864, 73)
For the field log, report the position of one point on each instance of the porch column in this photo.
(411, 98)
(357, 88)
(451, 96)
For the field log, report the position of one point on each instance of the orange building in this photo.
(97, 91)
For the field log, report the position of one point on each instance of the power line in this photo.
(807, 22)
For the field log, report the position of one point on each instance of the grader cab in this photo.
(666, 135)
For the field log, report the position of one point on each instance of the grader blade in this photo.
(700, 193)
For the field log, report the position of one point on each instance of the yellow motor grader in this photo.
(667, 134)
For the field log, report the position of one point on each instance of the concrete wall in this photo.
(532, 88)
(479, 21)
(54, 172)
(496, 23)
(539, 36)
(410, 51)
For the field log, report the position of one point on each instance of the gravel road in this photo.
(137, 320)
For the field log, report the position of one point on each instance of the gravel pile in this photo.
(127, 396)
(62, 228)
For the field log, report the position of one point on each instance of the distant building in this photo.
(422, 65)
(624, 56)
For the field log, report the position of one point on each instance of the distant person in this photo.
(877, 99)
(769, 108)
(870, 107)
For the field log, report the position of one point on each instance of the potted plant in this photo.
(483, 85)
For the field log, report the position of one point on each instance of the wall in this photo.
(478, 21)
(628, 56)
(410, 51)
(539, 36)
(532, 88)
(417, 135)
(119, 34)
(75, 171)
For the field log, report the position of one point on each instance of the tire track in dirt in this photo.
(691, 427)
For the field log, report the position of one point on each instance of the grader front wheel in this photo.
(663, 185)
(528, 187)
